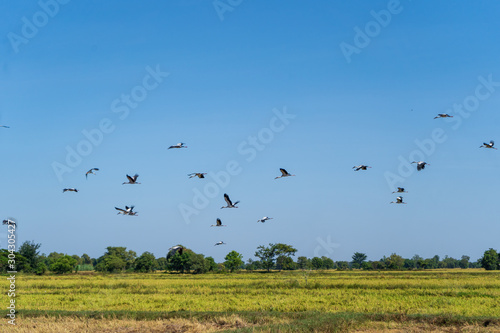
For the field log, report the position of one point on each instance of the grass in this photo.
(328, 301)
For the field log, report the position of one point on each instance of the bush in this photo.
(65, 264)
(40, 269)
(490, 261)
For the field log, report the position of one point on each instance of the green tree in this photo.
(409, 264)
(52, 258)
(417, 261)
(111, 264)
(116, 259)
(266, 255)
(20, 264)
(284, 250)
(357, 259)
(145, 263)
(180, 262)
(161, 263)
(464, 262)
(121, 252)
(490, 261)
(342, 265)
(79, 260)
(303, 263)
(327, 263)
(198, 264)
(41, 268)
(394, 261)
(449, 262)
(285, 263)
(434, 262)
(29, 250)
(65, 264)
(378, 265)
(86, 259)
(233, 261)
(316, 263)
(210, 264)
(367, 265)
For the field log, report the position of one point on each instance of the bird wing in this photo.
(120, 209)
(130, 179)
(135, 177)
(492, 143)
(283, 172)
(226, 197)
(219, 222)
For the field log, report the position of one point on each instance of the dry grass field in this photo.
(319, 301)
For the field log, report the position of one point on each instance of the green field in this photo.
(280, 301)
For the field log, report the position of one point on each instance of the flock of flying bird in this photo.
(421, 164)
(132, 180)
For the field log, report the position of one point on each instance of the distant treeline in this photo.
(272, 257)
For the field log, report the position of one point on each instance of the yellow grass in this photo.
(456, 292)
(321, 301)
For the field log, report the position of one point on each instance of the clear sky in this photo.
(361, 82)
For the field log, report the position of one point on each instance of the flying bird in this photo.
(91, 172)
(197, 174)
(132, 180)
(220, 243)
(284, 173)
(400, 190)
(179, 145)
(6, 222)
(264, 219)
(127, 211)
(399, 200)
(4, 126)
(488, 145)
(218, 224)
(443, 115)
(175, 249)
(420, 165)
(229, 202)
(70, 190)
(360, 167)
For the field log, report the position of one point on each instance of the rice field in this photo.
(259, 300)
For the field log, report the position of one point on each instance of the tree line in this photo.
(272, 257)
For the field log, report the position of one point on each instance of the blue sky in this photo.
(225, 78)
